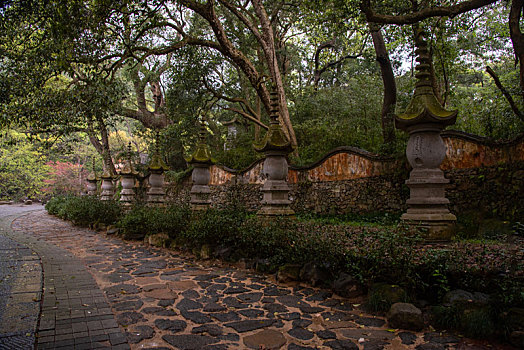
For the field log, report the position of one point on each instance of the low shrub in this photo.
(84, 210)
(141, 221)
(215, 227)
(353, 219)
(445, 317)
(477, 323)
(55, 204)
(135, 223)
(87, 210)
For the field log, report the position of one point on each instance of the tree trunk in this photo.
(226, 47)
(517, 38)
(258, 108)
(390, 86)
(505, 92)
(268, 47)
(434, 81)
(101, 145)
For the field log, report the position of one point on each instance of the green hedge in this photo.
(84, 210)
(141, 221)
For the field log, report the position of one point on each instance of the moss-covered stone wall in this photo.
(485, 177)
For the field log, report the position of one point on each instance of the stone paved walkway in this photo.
(164, 300)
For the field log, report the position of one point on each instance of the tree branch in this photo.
(505, 92)
(330, 44)
(247, 116)
(517, 38)
(428, 12)
(231, 99)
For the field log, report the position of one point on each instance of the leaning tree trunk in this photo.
(390, 87)
(268, 47)
(505, 93)
(517, 38)
(101, 145)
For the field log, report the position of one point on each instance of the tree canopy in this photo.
(341, 68)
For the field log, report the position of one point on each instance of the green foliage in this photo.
(142, 220)
(477, 323)
(445, 317)
(353, 219)
(215, 227)
(135, 224)
(382, 296)
(518, 228)
(84, 210)
(22, 168)
(241, 153)
(482, 108)
(55, 205)
(338, 116)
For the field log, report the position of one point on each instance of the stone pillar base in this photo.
(155, 202)
(106, 196)
(275, 201)
(428, 205)
(126, 206)
(156, 196)
(435, 227)
(127, 196)
(275, 211)
(200, 197)
(200, 207)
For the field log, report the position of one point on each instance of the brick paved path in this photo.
(164, 300)
(20, 288)
(73, 312)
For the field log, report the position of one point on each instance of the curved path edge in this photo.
(20, 287)
(67, 308)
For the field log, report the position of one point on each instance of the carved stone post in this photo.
(156, 194)
(275, 147)
(128, 179)
(424, 119)
(201, 162)
(92, 180)
(108, 188)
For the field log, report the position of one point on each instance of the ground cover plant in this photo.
(373, 255)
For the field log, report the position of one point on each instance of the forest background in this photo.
(80, 80)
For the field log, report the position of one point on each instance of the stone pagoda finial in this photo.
(128, 179)
(275, 147)
(202, 154)
(424, 119)
(424, 106)
(156, 193)
(157, 164)
(275, 139)
(128, 165)
(201, 161)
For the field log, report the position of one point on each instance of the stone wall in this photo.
(484, 176)
(488, 191)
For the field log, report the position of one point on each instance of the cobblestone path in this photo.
(164, 300)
